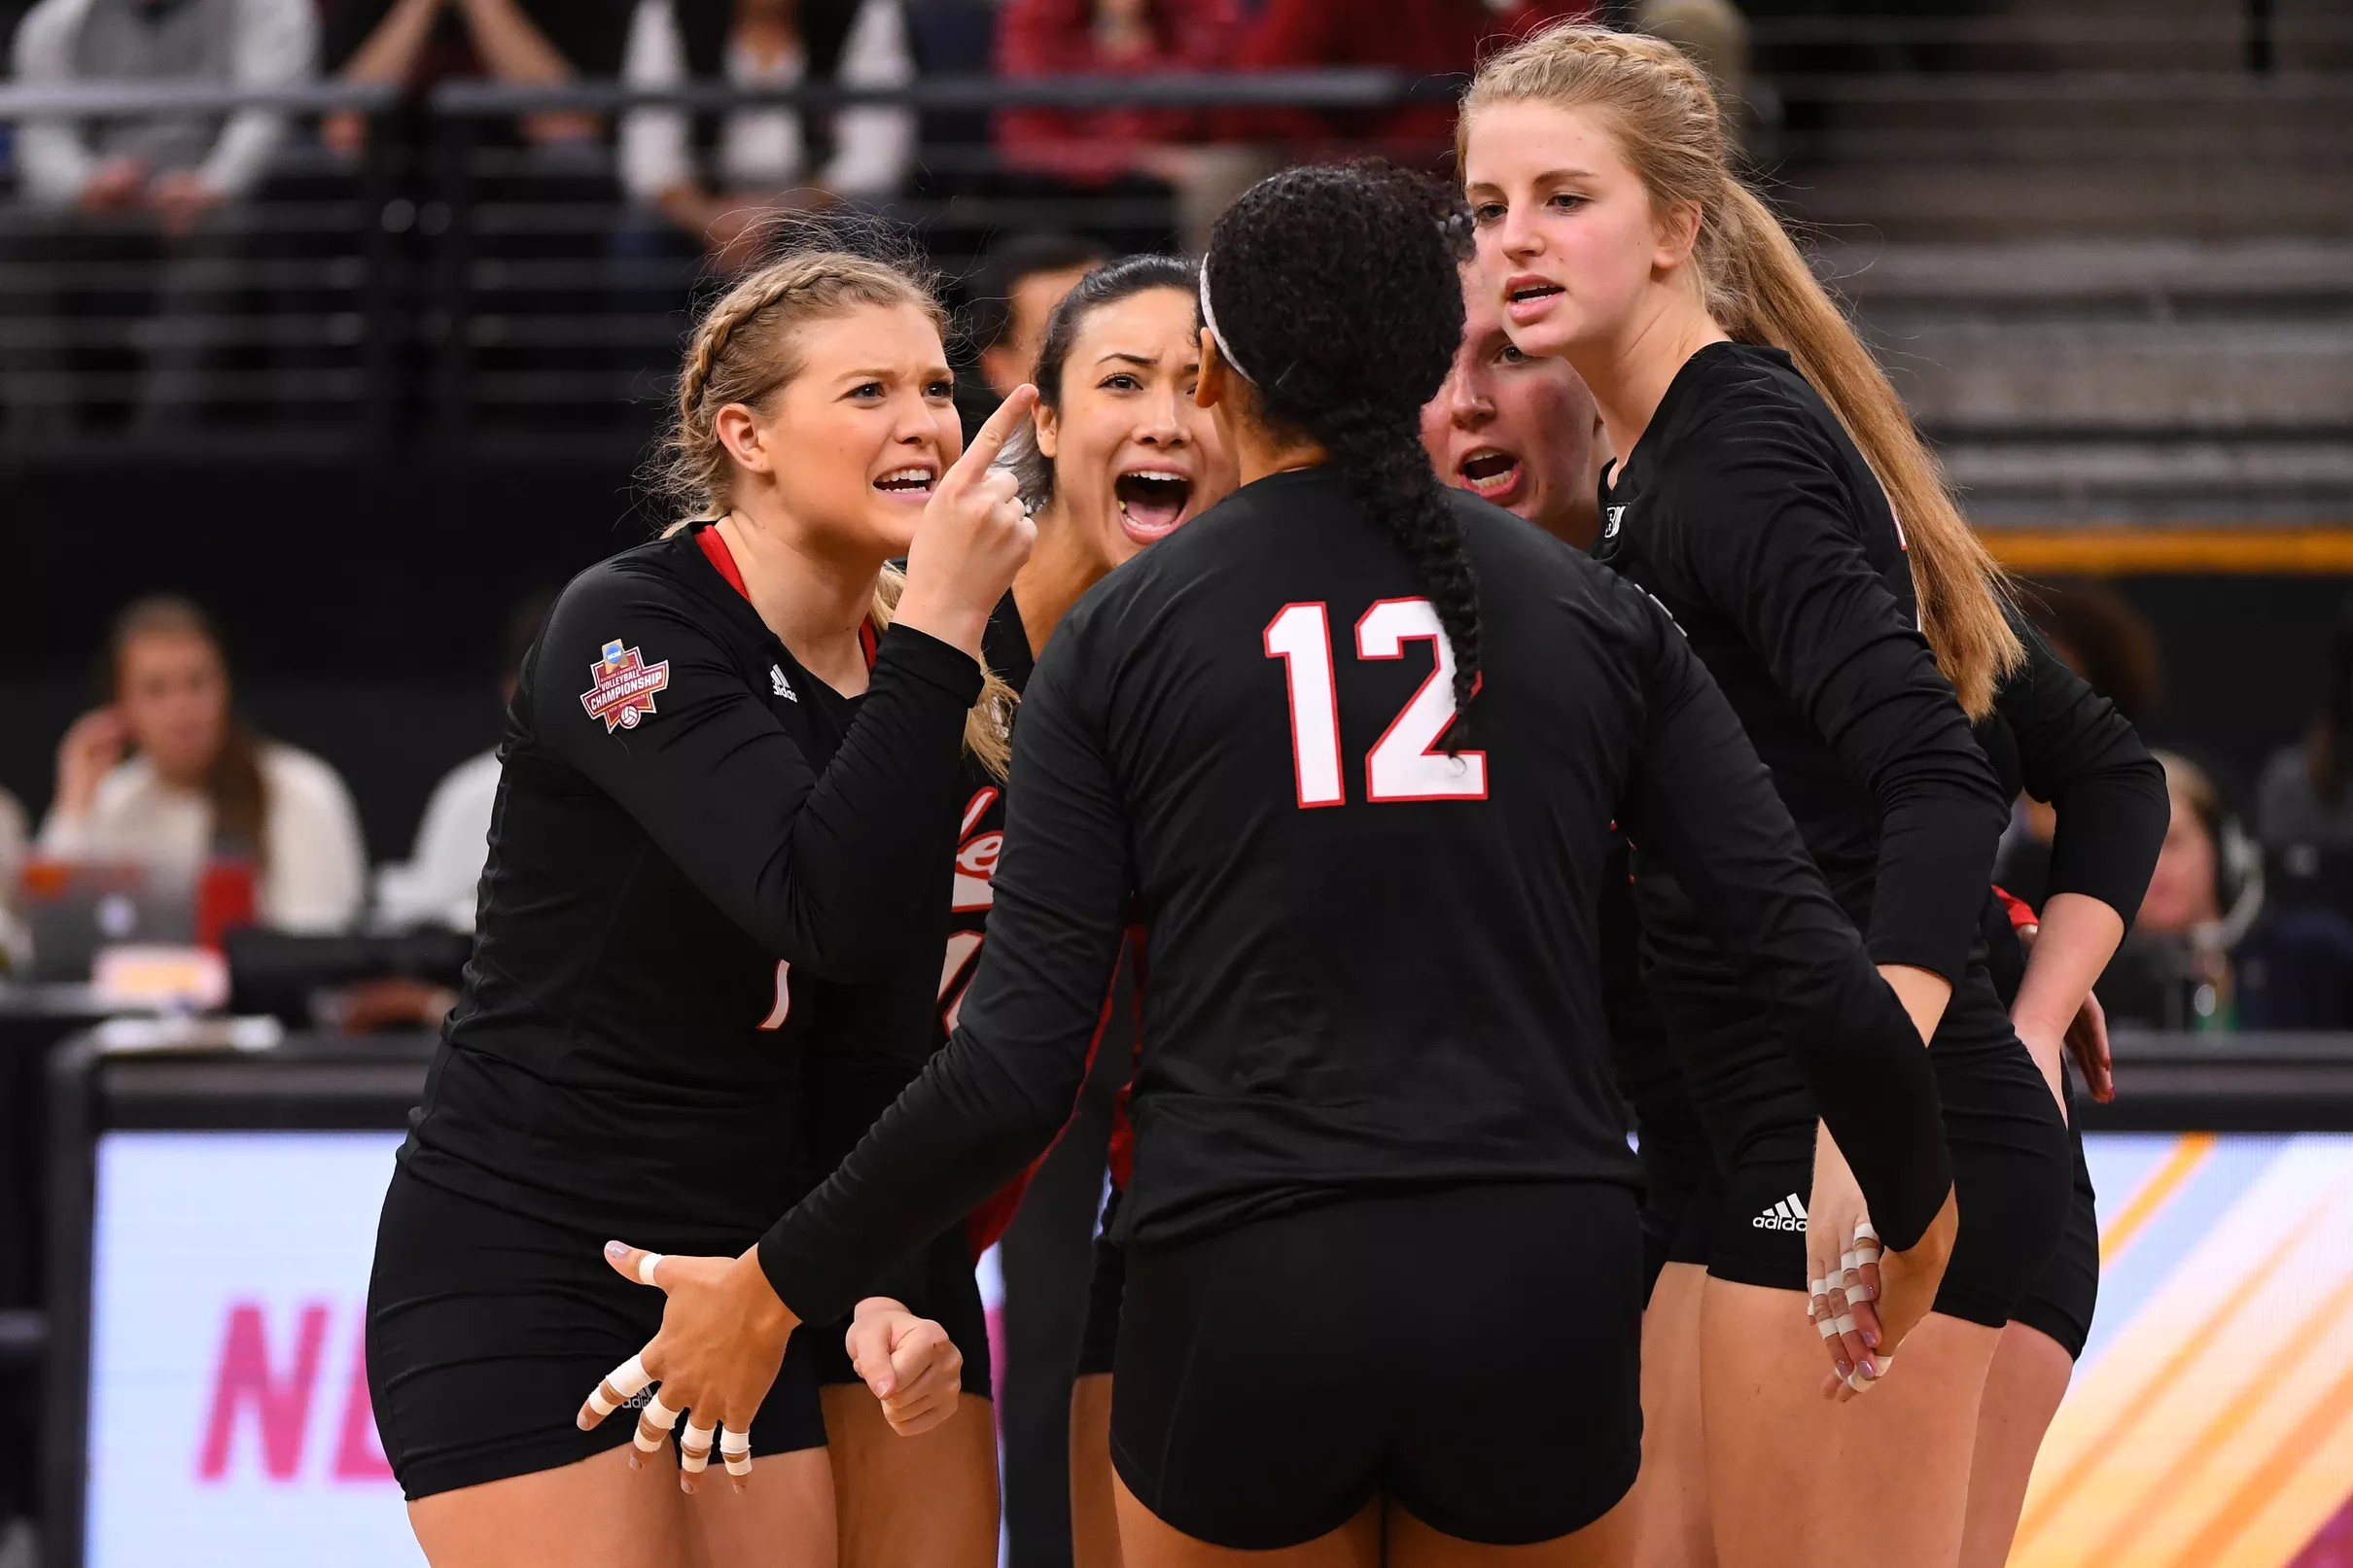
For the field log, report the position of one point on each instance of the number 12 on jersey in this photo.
(1404, 764)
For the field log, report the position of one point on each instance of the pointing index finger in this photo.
(990, 439)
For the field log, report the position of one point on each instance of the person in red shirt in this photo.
(1149, 148)
(1426, 38)
(1106, 37)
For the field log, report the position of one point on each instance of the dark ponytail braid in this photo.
(1389, 474)
(1338, 292)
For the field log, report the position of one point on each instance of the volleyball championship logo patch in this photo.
(625, 685)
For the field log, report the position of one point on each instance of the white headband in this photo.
(1209, 319)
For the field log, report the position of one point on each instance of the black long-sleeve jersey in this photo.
(1373, 963)
(2052, 737)
(1746, 511)
(712, 915)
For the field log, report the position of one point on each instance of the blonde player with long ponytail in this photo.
(1773, 495)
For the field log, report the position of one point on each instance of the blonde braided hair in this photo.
(743, 352)
(1756, 285)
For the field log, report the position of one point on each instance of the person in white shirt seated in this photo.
(714, 174)
(167, 776)
(438, 883)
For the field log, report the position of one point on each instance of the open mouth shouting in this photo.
(913, 483)
(1152, 502)
(1493, 474)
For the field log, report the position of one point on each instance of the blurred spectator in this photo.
(712, 174)
(11, 869)
(1424, 38)
(2098, 633)
(2205, 952)
(1018, 284)
(2306, 793)
(530, 43)
(146, 187)
(1094, 148)
(439, 882)
(168, 776)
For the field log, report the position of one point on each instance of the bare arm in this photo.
(2078, 937)
(515, 49)
(392, 50)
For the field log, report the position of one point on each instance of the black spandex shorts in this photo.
(2061, 1300)
(950, 1295)
(1274, 1380)
(1098, 1344)
(2011, 1165)
(486, 1331)
(1679, 1186)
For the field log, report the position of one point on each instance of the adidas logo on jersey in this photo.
(1789, 1214)
(778, 684)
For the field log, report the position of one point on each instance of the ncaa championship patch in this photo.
(625, 685)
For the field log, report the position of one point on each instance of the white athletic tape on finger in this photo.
(653, 1423)
(647, 1263)
(621, 1384)
(694, 1447)
(735, 1447)
(1864, 1232)
(1844, 1323)
(1826, 1328)
(1857, 1292)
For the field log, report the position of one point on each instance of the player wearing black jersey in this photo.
(1120, 458)
(711, 922)
(2053, 738)
(1762, 512)
(1373, 1119)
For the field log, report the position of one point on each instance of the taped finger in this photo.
(647, 1263)
(735, 1448)
(694, 1447)
(653, 1424)
(621, 1385)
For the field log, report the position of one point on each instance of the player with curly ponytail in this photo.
(1314, 378)
(707, 956)
(1773, 494)
(1374, 1123)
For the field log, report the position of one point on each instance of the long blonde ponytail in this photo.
(1759, 289)
(743, 352)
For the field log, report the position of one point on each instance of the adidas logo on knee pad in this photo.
(1789, 1214)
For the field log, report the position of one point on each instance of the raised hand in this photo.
(974, 535)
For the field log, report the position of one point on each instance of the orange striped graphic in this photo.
(2175, 1366)
(2220, 1433)
(2179, 1166)
(2257, 1492)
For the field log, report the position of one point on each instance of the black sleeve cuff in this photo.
(919, 655)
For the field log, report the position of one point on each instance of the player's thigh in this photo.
(952, 1469)
(783, 1518)
(1094, 1491)
(1797, 1480)
(1607, 1543)
(2023, 1389)
(1148, 1542)
(1671, 1494)
(595, 1513)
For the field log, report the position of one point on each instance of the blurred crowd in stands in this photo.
(147, 216)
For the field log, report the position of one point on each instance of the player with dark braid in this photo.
(1377, 1146)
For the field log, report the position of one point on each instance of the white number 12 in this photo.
(1404, 764)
